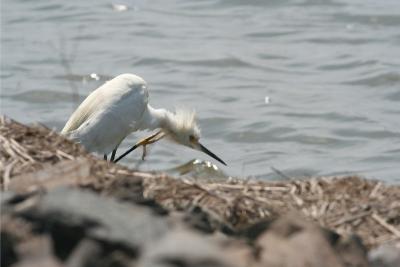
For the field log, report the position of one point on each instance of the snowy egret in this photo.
(120, 107)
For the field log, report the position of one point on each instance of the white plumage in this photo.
(120, 107)
(109, 114)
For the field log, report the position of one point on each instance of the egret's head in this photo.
(182, 128)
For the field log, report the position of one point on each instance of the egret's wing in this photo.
(109, 97)
(108, 115)
(82, 113)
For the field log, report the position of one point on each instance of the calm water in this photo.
(307, 87)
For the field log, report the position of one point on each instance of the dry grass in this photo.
(348, 205)
(25, 149)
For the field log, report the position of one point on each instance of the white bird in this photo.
(120, 107)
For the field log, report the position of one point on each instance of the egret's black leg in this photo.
(149, 140)
(105, 157)
(126, 153)
(144, 152)
(113, 155)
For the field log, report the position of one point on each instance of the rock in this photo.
(293, 241)
(37, 252)
(350, 250)
(387, 255)
(69, 215)
(6, 197)
(8, 253)
(254, 230)
(86, 229)
(40, 262)
(86, 253)
(182, 247)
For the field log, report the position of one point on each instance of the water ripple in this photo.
(39, 96)
(378, 80)
(214, 63)
(329, 68)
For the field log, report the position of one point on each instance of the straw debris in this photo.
(348, 205)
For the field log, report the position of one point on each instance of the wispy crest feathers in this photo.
(183, 120)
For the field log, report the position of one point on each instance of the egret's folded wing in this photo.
(82, 113)
(109, 114)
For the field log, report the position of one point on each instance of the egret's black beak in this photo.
(208, 152)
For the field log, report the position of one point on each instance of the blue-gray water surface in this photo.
(309, 87)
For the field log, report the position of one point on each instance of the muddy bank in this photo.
(63, 207)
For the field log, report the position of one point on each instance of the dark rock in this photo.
(93, 253)
(40, 262)
(6, 197)
(65, 237)
(253, 231)
(9, 199)
(86, 229)
(351, 250)
(8, 254)
(71, 215)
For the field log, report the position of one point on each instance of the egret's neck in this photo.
(154, 118)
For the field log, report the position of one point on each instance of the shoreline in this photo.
(347, 218)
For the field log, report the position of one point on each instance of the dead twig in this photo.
(351, 218)
(386, 225)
